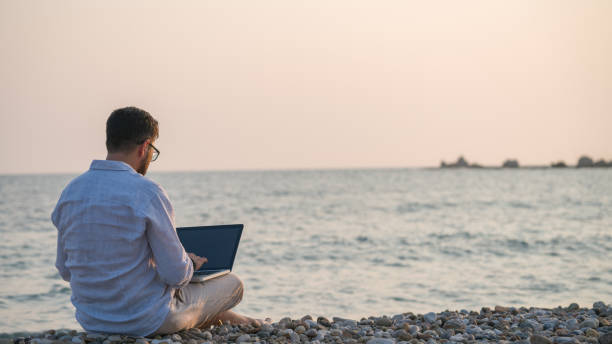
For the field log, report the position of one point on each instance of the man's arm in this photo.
(173, 265)
(60, 260)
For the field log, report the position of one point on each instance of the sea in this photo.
(352, 243)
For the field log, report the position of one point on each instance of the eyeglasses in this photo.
(155, 152)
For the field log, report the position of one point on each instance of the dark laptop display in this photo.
(217, 243)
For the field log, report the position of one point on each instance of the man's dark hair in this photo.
(128, 127)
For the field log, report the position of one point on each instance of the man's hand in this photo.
(197, 260)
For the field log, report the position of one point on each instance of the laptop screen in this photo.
(217, 243)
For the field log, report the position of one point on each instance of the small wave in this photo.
(457, 235)
(413, 258)
(517, 244)
(546, 287)
(55, 290)
(412, 207)
(362, 238)
(520, 205)
(400, 299)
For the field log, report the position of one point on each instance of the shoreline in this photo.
(572, 324)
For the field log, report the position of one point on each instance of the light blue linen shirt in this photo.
(117, 246)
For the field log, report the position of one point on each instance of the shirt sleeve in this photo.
(173, 265)
(60, 260)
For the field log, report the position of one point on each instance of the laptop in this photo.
(217, 243)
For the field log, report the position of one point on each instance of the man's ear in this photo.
(142, 149)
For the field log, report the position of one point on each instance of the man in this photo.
(117, 244)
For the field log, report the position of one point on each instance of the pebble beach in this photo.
(499, 324)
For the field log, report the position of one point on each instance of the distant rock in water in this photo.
(461, 162)
(559, 164)
(585, 161)
(602, 163)
(510, 163)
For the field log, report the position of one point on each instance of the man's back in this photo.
(118, 248)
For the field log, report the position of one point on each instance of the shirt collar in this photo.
(112, 165)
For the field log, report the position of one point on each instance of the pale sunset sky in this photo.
(307, 84)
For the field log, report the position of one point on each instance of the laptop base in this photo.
(202, 277)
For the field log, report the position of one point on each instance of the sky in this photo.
(307, 84)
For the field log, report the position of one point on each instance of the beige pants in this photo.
(198, 304)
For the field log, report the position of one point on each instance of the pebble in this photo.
(589, 323)
(454, 324)
(243, 338)
(606, 338)
(430, 317)
(380, 341)
(498, 325)
(311, 333)
(537, 339)
(565, 340)
(207, 335)
(323, 321)
(384, 321)
(114, 338)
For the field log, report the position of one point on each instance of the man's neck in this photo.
(126, 158)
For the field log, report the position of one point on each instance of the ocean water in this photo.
(353, 243)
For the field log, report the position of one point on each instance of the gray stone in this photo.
(286, 332)
(430, 317)
(457, 338)
(207, 335)
(571, 324)
(263, 334)
(402, 335)
(454, 324)
(380, 341)
(295, 338)
(444, 334)
(300, 329)
(589, 323)
(384, 321)
(565, 340)
(176, 337)
(605, 339)
(537, 339)
(591, 333)
(414, 329)
(336, 332)
(573, 307)
(41, 341)
(114, 338)
(243, 338)
(311, 333)
(77, 340)
(323, 321)
(161, 341)
(95, 336)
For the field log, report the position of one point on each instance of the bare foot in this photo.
(236, 319)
